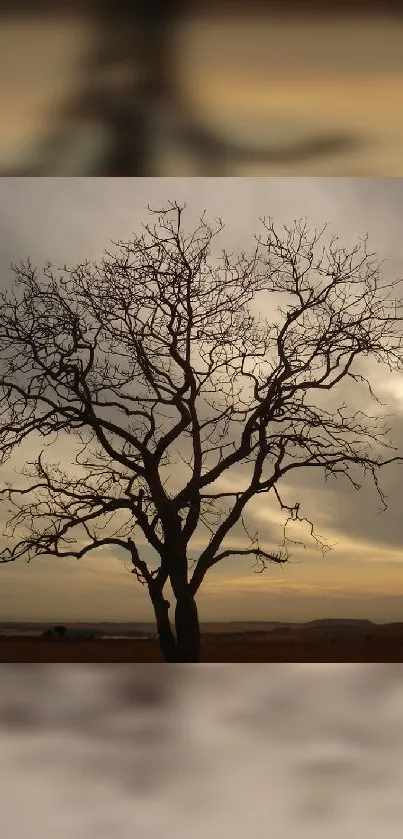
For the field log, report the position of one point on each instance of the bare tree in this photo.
(156, 346)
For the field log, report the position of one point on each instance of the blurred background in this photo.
(201, 87)
(96, 751)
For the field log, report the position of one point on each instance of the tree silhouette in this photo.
(156, 347)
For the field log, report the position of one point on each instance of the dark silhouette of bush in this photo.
(60, 631)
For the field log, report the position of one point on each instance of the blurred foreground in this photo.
(191, 752)
(149, 88)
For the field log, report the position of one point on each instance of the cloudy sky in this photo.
(66, 220)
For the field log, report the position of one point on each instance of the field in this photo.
(379, 643)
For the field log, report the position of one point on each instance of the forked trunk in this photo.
(166, 637)
(185, 647)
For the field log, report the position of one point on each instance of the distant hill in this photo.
(339, 622)
(133, 629)
(258, 623)
(79, 629)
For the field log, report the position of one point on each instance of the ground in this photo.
(379, 643)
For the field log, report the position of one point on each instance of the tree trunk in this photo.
(187, 630)
(166, 637)
(185, 647)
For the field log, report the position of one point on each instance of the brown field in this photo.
(378, 644)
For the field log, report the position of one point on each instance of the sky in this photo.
(67, 220)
